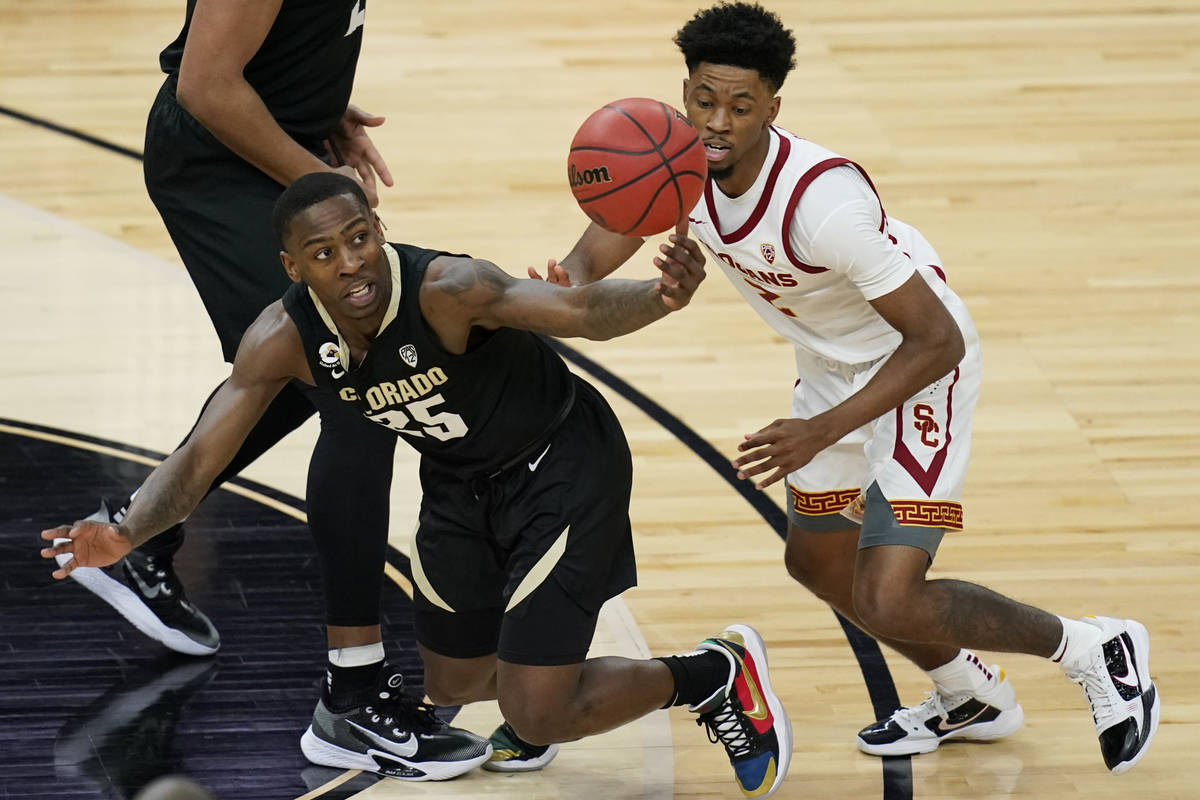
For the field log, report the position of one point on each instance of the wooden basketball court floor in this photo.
(1050, 151)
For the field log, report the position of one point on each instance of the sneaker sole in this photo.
(1008, 723)
(127, 603)
(783, 733)
(523, 764)
(319, 751)
(1141, 645)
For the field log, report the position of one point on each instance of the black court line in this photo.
(897, 770)
(72, 132)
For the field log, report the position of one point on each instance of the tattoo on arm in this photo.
(616, 307)
(166, 498)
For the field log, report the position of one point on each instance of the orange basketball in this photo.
(637, 166)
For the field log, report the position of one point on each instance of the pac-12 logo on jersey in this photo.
(768, 251)
(409, 354)
(358, 16)
(331, 358)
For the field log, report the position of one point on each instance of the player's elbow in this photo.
(199, 94)
(950, 345)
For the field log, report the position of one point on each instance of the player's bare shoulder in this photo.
(271, 347)
(463, 280)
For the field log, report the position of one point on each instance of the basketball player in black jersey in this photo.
(526, 474)
(253, 92)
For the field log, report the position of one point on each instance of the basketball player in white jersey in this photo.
(875, 452)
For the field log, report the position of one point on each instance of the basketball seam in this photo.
(637, 178)
(657, 148)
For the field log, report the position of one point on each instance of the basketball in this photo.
(636, 167)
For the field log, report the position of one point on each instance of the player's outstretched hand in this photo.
(784, 446)
(91, 543)
(554, 274)
(682, 266)
(355, 149)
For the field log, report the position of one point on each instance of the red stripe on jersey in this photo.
(794, 201)
(785, 148)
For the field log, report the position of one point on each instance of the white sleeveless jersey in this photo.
(760, 242)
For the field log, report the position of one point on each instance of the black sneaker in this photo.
(1115, 677)
(394, 734)
(145, 590)
(511, 753)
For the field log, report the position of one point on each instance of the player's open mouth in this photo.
(361, 295)
(715, 152)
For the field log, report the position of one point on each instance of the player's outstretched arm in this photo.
(596, 255)
(266, 360)
(460, 293)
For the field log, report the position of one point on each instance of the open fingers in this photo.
(372, 157)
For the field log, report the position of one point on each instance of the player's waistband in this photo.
(528, 451)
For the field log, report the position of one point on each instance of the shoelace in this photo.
(915, 716)
(1095, 681)
(150, 570)
(726, 725)
(396, 707)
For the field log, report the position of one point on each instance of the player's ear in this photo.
(773, 111)
(379, 228)
(289, 266)
(685, 91)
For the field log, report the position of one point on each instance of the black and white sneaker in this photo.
(1116, 682)
(395, 735)
(145, 590)
(990, 713)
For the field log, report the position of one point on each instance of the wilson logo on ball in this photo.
(586, 177)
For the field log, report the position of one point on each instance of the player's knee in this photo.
(881, 609)
(537, 723)
(455, 691)
(810, 567)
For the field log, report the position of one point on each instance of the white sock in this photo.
(1077, 640)
(359, 656)
(963, 674)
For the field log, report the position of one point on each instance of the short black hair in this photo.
(742, 35)
(308, 190)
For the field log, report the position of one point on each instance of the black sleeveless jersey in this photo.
(304, 69)
(470, 414)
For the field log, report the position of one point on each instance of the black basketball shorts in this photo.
(519, 563)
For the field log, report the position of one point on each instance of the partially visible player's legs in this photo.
(1107, 657)
(825, 510)
(548, 693)
(964, 688)
(361, 696)
(823, 562)
(349, 525)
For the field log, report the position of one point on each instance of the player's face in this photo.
(336, 248)
(732, 109)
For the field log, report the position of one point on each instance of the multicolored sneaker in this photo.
(1116, 682)
(744, 714)
(395, 735)
(511, 753)
(990, 713)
